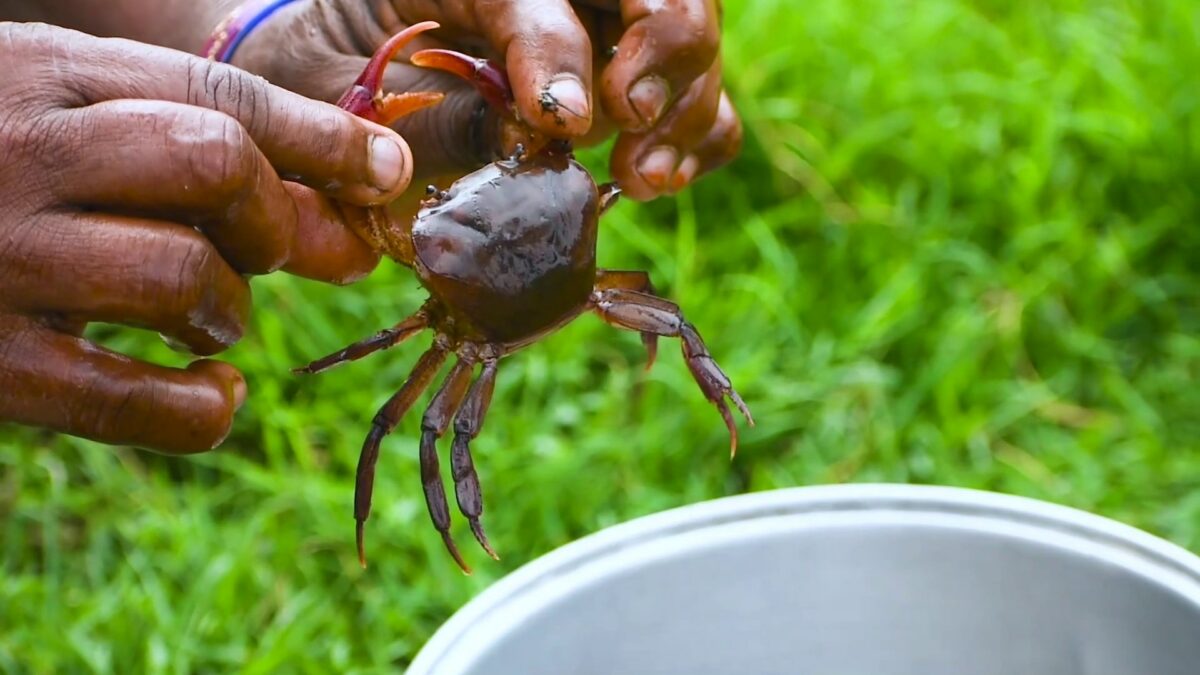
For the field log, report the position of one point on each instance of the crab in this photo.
(508, 255)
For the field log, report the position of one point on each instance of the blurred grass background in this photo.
(961, 247)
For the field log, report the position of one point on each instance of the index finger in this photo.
(548, 56)
(667, 44)
(308, 141)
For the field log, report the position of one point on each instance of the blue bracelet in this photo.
(233, 30)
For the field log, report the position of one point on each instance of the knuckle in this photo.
(41, 67)
(205, 82)
(221, 159)
(12, 38)
(566, 29)
(195, 286)
(332, 135)
(19, 36)
(333, 128)
(194, 269)
(225, 88)
(696, 34)
(39, 142)
(30, 133)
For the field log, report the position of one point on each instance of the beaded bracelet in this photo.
(234, 28)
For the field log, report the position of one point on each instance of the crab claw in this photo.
(491, 81)
(488, 76)
(365, 97)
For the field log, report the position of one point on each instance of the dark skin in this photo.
(97, 227)
(659, 91)
(508, 255)
(142, 187)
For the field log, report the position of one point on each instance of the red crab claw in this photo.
(365, 97)
(491, 81)
(487, 76)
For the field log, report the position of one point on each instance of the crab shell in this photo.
(510, 249)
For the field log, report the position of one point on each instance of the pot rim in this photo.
(1084, 533)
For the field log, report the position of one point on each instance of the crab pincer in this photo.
(366, 98)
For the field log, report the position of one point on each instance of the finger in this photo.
(548, 56)
(659, 162)
(68, 384)
(719, 147)
(189, 165)
(202, 166)
(667, 45)
(315, 143)
(453, 137)
(324, 248)
(605, 29)
(130, 271)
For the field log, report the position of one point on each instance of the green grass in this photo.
(961, 247)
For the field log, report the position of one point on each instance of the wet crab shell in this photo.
(512, 246)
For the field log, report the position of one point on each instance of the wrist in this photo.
(205, 17)
(228, 35)
(284, 47)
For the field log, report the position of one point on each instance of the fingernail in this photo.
(685, 173)
(387, 163)
(658, 166)
(239, 392)
(649, 96)
(566, 92)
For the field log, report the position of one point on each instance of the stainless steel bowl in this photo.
(870, 579)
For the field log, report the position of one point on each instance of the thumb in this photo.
(451, 138)
(305, 140)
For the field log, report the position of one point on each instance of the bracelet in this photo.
(234, 28)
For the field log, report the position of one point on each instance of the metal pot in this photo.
(842, 580)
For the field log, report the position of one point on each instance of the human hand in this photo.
(139, 185)
(661, 91)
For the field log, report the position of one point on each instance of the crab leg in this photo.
(609, 195)
(466, 427)
(385, 420)
(632, 281)
(388, 337)
(433, 426)
(644, 312)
